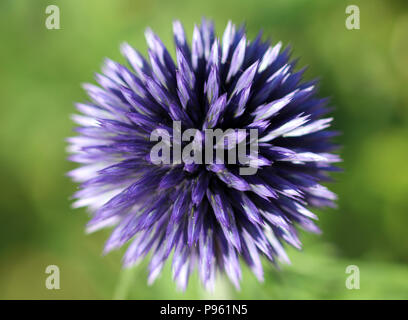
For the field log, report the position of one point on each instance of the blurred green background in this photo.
(364, 71)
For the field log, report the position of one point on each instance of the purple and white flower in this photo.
(207, 216)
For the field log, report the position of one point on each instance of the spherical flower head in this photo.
(206, 214)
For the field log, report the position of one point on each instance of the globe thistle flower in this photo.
(208, 216)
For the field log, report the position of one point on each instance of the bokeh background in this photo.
(364, 71)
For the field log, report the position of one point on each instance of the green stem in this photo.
(125, 282)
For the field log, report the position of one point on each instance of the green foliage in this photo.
(364, 71)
